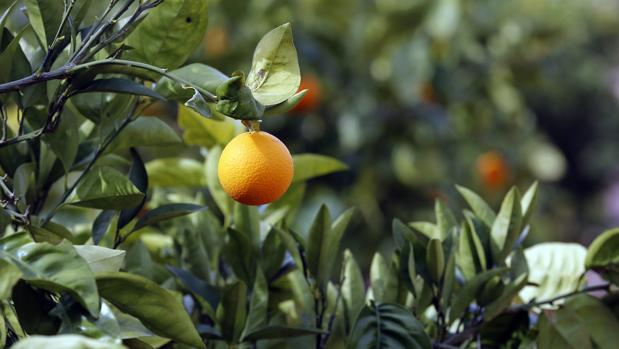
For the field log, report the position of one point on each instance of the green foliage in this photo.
(100, 249)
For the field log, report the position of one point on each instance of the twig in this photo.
(533, 304)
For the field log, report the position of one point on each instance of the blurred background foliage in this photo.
(416, 95)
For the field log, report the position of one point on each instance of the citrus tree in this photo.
(102, 249)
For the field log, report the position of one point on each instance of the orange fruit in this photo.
(312, 98)
(255, 168)
(493, 170)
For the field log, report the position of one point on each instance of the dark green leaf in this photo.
(505, 300)
(197, 286)
(565, 330)
(528, 203)
(466, 295)
(169, 34)
(101, 225)
(506, 226)
(258, 306)
(240, 254)
(603, 255)
(272, 332)
(247, 221)
(9, 275)
(56, 268)
(275, 74)
(353, 290)
(597, 319)
(119, 85)
(232, 311)
(155, 307)
(471, 258)
(106, 188)
(45, 17)
(383, 280)
(445, 220)
(388, 326)
(199, 104)
(139, 178)
(165, 212)
(235, 100)
(221, 198)
(478, 205)
(435, 259)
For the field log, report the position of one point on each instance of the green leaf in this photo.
(198, 130)
(169, 34)
(119, 85)
(275, 75)
(566, 330)
(51, 232)
(101, 259)
(217, 192)
(383, 280)
(597, 319)
(603, 255)
(506, 226)
(471, 258)
(138, 176)
(176, 172)
(64, 341)
(247, 221)
(353, 290)
(445, 219)
(506, 299)
(274, 331)
(155, 307)
(64, 141)
(235, 100)
(56, 268)
(466, 295)
(388, 326)
(258, 306)
(23, 179)
(273, 253)
(323, 243)
(106, 188)
(240, 254)
(528, 203)
(45, 17)
(101, 225)
(198, 74)
(308, 166)
(9, 275)
(478, 205)
(200, 105)
(232, 312)
(556, 268)
(165, 212)
(286, 105)
(435, 259)
(145, 132)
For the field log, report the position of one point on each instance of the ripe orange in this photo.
(312, 98)
(255, 168)
(493, 170)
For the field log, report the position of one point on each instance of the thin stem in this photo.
(603, 287)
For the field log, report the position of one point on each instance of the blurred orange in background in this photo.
(312, 99)
(493, 170)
